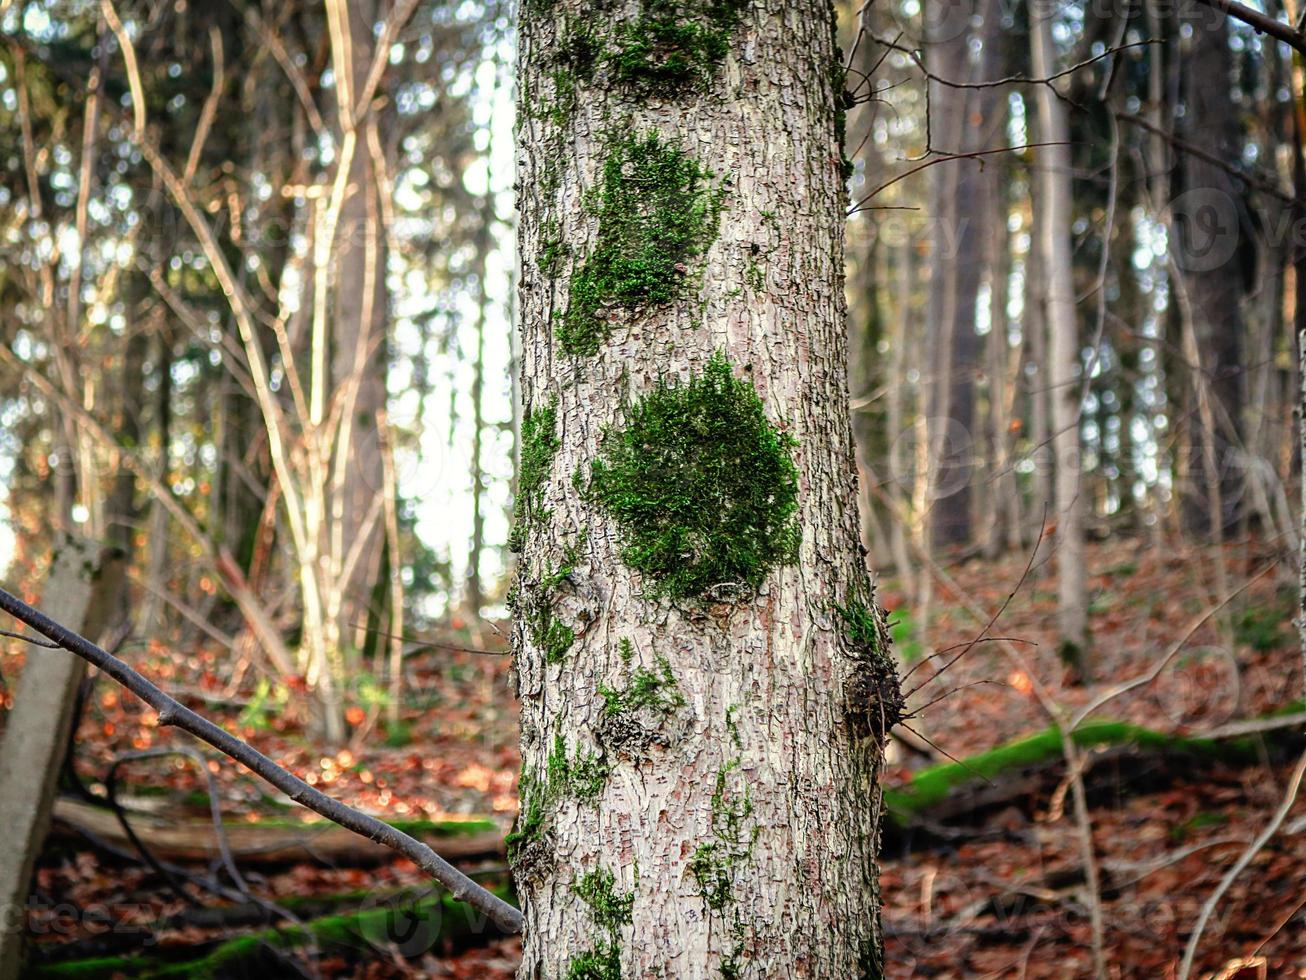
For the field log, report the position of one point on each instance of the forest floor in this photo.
(998, 894)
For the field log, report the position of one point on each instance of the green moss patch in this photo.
(656, 691)
(425, 922)
(862, 623)
(1262, 626)
(569, 65)
(674, 48)
(582, 777)
(539, 444)
(611, 911)
(550, 634)
(713, 862)
(702, 487)
(657, 212)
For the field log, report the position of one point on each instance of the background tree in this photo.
(1052, 220)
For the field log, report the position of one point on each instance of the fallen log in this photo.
(936, 796)
(275, 841)
(1027, 767)
(389, 925)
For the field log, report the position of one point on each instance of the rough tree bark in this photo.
(702, 668)
(1053, 220)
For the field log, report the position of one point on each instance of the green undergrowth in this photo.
(701, 486)
(1263, 625)
(414, 828)
(610, 911)
(906, 636)
(931, 786)
(431, 921)
(657, 211)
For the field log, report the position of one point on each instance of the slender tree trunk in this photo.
(359, 345)
(1034, 327)
(701, 725)
(475, 595)
(959, 214)
(1000, 477)
(156, 535)
(1053, 217)
(1301, 537)
(90, 592)
(1298, 327)
(122, 510)
(1206, 225)
(899, 486)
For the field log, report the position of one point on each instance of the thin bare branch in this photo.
(129, 58)
(1264, 24)
(210, 109)
(1254, 848)
(1145, 678)
(35, 641)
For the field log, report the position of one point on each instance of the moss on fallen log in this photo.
(959, 786)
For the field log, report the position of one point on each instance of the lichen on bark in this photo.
(702, 487)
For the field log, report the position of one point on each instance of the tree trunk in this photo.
(1053, 220)
(703, 672)
(1034, 373)
(960, 121)
(1205, 222)
(358, 362)
(475, 591)
(1000, 475)
(89, 592)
